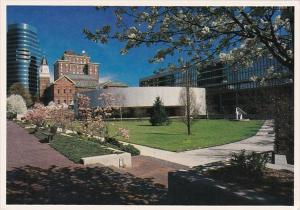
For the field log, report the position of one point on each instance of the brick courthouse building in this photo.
(73, 73)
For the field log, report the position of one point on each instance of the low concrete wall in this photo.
(122, 160)
(191, 188)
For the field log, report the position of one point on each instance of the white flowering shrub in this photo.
(16, 104)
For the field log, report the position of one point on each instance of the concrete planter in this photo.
(122, 160)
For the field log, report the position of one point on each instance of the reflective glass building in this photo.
(23, 56)
(227, 86)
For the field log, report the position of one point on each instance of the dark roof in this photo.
(83, 81)
(110, 83)
(70, 52)
(44, 61)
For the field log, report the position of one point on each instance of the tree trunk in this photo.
(188, 103)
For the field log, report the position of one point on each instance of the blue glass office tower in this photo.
(23, 57)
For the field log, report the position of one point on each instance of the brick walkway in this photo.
(149, 167)
(32, 177)
(25, 149)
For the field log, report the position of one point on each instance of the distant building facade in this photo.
(23, 57)
(44, 79)
(73, 73)
(138, 101)
(62, 90)
(228, 87)
(76, 64)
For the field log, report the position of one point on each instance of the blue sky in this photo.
(60, 29)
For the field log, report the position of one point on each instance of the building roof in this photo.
(44, 61)
(83, 81)
(110, 83)
(70, 52)
(64, 76)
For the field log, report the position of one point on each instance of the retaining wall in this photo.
(122, 160)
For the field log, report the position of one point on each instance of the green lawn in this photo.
(205, 133)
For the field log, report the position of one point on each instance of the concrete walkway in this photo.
(262, 141)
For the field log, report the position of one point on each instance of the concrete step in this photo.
(260, 133)
(266, 130)
(266, 127)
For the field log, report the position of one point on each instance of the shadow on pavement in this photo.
(90, 185)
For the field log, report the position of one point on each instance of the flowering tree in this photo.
(59, 116)
(203, 34)
(16, 104)
(18, 89)
(94, 122)
(84, 113)
(200, 36)
(37, 115)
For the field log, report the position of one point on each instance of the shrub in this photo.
(11, 115)
(113, 141)
(16, 104)
(158, 113)
(249, 164)
(126, 148)
(130, 149)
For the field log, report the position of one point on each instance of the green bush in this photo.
(110, 141)
(158, 113)
(11, 115)
(249, 164)
(130, 149)
(113, 141)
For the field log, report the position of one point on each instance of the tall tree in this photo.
(158, 113)
(188, 100)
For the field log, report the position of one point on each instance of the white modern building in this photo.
(142, 98)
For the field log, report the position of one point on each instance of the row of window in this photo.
(64, 101)
(65, 91)
(76, 59)
(218, 75)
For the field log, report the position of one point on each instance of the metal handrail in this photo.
(241, 111)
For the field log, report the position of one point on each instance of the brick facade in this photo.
(62, 91)
(72, 63)
(44, 81)
(44, 84)
(73, 73)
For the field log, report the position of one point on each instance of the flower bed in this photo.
(75, 149)
(76, 146)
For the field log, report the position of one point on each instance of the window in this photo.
(70, 90)
(58, 101)
(71, 101)
(65, 101)
(58, 91)
(64, 90)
